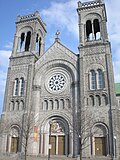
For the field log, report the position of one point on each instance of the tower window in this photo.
(89, 30)
(93, 30)
(16, 87)
(21, 86)
(96, 29)
(27, 43)
(22, 41)
(96, 79)
(100, 79)
(38, 44)
(92, 80)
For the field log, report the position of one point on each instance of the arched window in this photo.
(89, 30)
(45, 105)
(22, 42)
(93, 30)
(100, 80)
(61, 104)
(12, 106)
(98, 100)
(21, 86)
(16, 87)
(21, 106)
(96, 29)
(50, 107)
(91, 101)
(104, 100)
(27, 43)
(16, 106)
(92, 80)
(56, 104)
(38, 44)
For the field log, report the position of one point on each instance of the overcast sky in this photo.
(58, 15)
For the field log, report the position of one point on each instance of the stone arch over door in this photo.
(13, 139)
(54, 134)
(100, 140)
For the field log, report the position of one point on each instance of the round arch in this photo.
(66, 66)
(100, 139)
(13, 139)
(55, 134)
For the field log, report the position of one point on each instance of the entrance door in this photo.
(53, 145)
(14, 144)
(100, 146)
(61, 145)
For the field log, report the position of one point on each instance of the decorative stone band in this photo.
(90, 4)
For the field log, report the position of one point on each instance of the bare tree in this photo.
(26, 121)
(27, 129)
(82, 126)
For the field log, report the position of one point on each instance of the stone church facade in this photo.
(67, 100)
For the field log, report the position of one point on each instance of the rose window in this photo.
(56, 82)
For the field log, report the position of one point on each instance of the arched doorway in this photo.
(13, 140)
(55, 137)
(100, 140)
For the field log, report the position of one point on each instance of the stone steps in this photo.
(17, 157)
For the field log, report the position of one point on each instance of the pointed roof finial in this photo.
(57, 33)
(57, 36)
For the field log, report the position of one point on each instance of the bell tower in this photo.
(30, 35)
(28, 46)
(96, 73)
(92, 22)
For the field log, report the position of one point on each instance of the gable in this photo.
(57, 52)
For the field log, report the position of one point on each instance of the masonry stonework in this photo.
(67, 100)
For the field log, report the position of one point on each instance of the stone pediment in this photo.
(57, 52)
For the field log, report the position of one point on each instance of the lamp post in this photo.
(49, 141)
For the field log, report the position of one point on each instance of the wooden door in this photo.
(61, 145)
(14, 144)
(53, 145)
(100, 146)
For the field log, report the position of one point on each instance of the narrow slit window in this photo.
(92, 80)
(100, 79)
(16, 87)
(39, 45)
(37, 42)
(21, 86)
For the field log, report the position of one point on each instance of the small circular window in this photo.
(56, 82)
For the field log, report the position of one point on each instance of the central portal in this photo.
(57, 138)
(57, 145)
